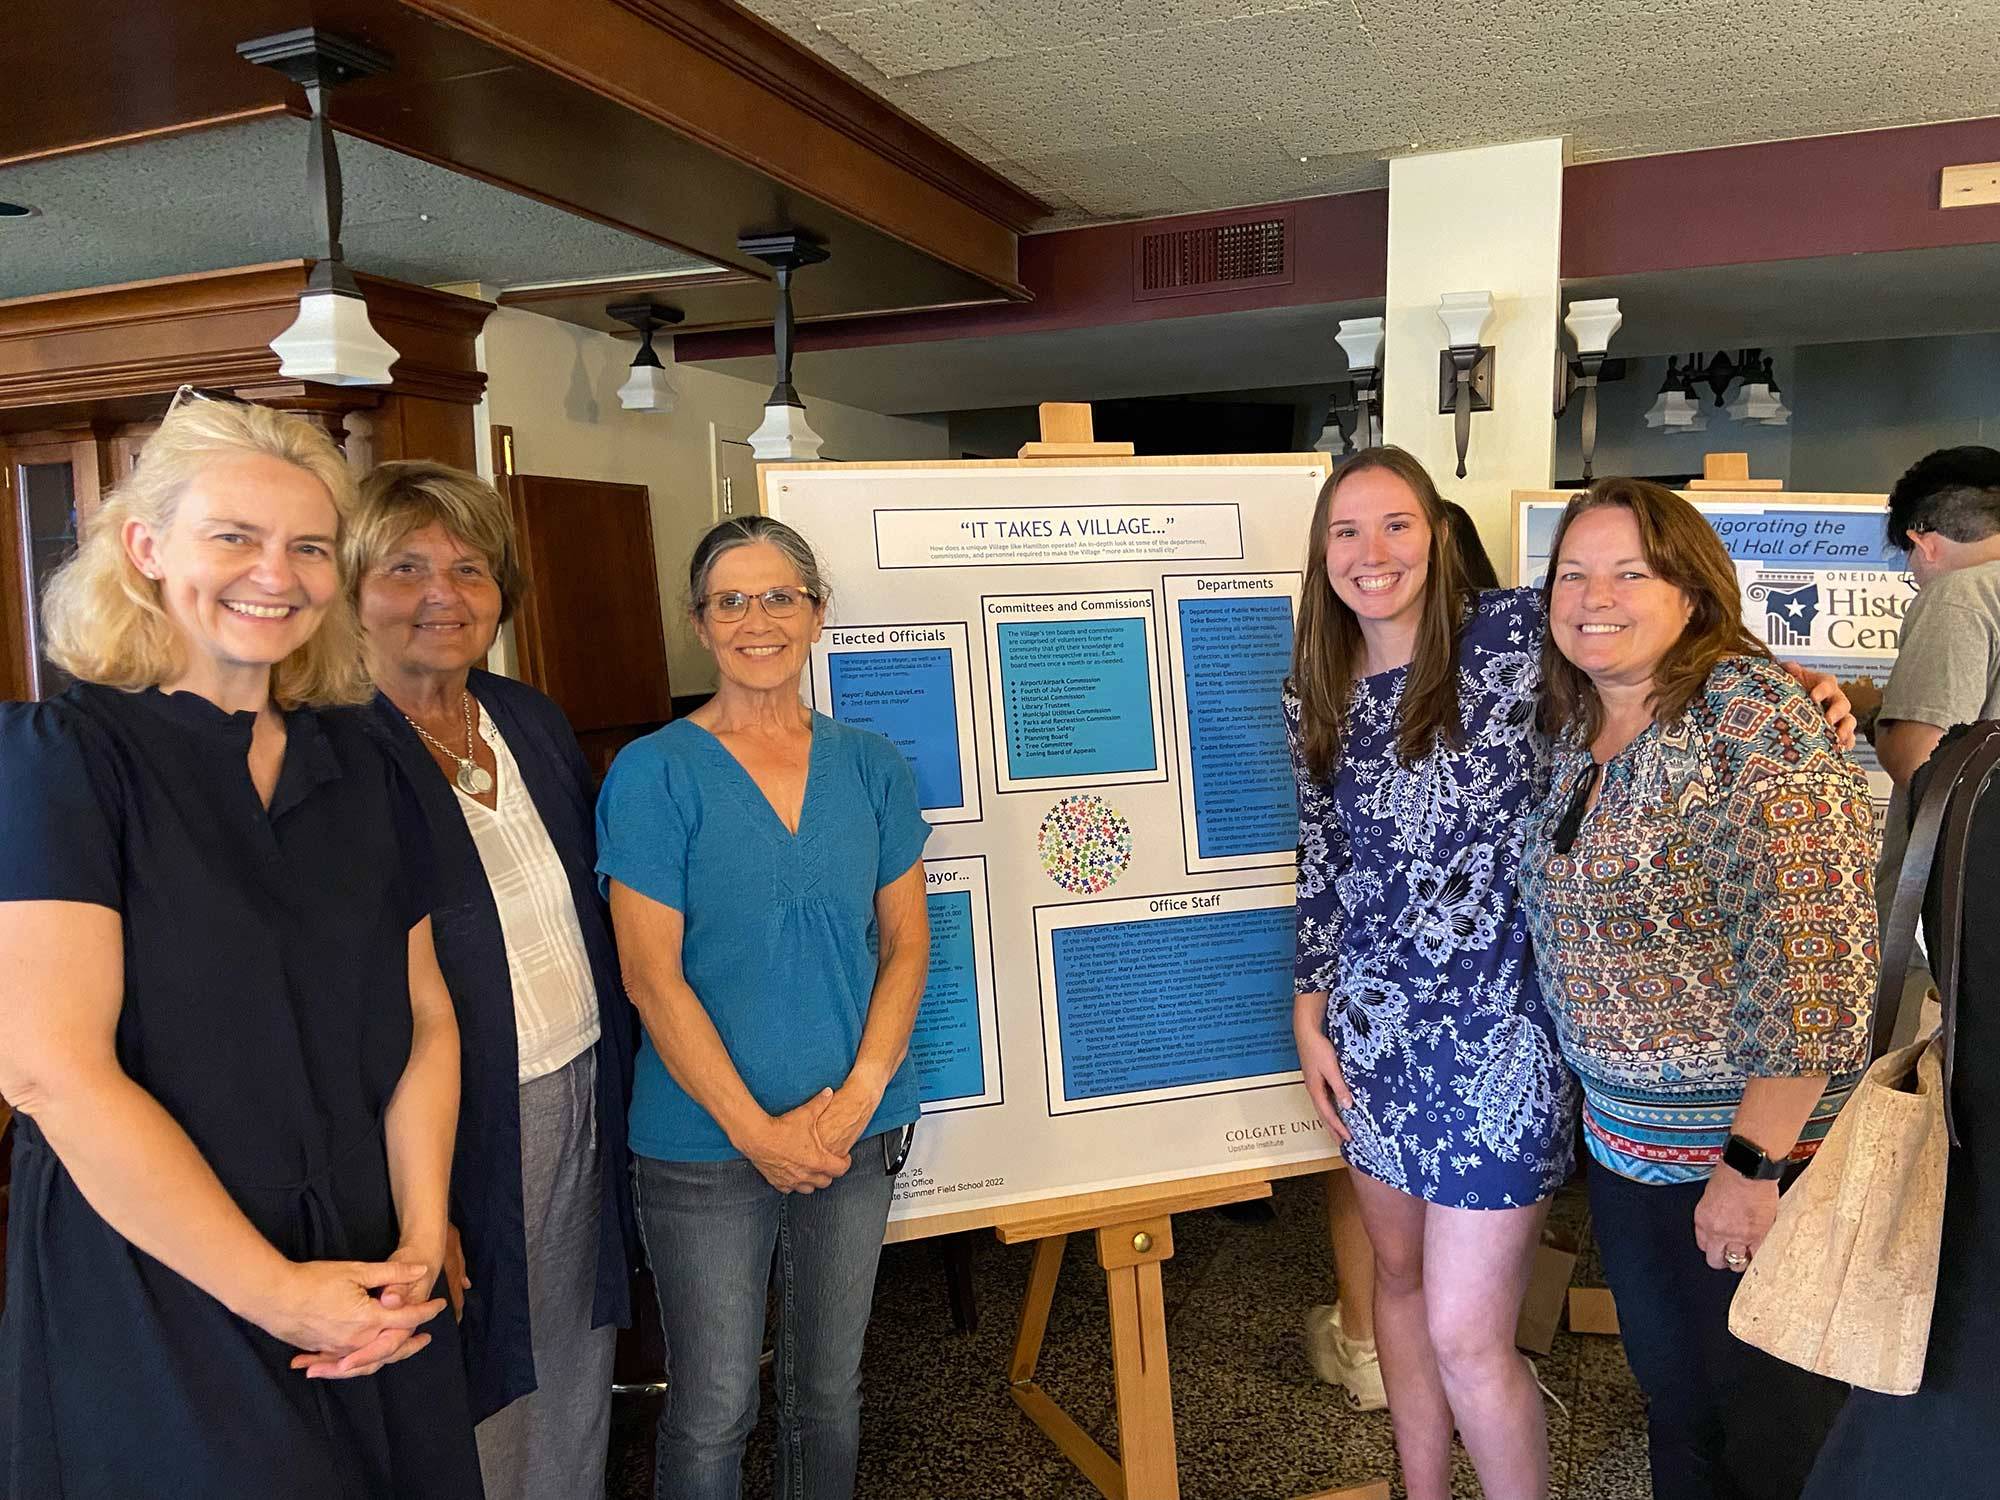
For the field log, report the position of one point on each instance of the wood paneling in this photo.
(215, 328)
(17, 680)
(588, 631)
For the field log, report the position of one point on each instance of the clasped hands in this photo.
(350, 1317)
(807, 1147)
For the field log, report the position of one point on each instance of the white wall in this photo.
(556, 385)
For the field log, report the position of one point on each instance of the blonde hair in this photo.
(103, 621)
(409, 494)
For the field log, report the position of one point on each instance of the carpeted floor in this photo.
(1253, 1423)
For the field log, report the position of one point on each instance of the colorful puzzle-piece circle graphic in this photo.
(1085, 844)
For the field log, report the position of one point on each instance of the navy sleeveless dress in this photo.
(1408, 919)
(267, 1009)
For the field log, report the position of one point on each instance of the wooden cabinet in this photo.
(50, 484)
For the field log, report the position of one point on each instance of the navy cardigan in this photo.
(486, 1168)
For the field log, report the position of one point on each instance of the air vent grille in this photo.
(1220, 255)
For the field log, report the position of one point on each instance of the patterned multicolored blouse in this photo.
(1714, 922)
(1408, 919)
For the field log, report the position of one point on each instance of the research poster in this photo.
(1821, 583)
(1082, 665)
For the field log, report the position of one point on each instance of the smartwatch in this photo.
(1742, 1157)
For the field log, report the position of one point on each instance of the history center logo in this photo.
(1791, 604)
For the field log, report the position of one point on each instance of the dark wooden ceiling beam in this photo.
(686, 122)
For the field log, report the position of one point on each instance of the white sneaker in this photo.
(1342, 1361)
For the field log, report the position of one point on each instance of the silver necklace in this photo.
(473, 779)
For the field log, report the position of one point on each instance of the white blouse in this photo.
(555, 999)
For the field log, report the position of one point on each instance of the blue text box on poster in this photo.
(1235, 655)
(906, 696)
(946, 1043)
(1174, 1002)
(1078, 698)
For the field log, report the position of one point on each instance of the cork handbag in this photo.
(1844, 1282)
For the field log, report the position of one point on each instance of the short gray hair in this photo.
(741, 531)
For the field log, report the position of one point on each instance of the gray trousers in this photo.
(550, 1444)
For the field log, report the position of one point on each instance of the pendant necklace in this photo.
(473, 779)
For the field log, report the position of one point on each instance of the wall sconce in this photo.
(1465, 369)
(1360, 339)
(784, 433)
(1675, 408)
(1591, 323)
(648, 387)
(331, 342)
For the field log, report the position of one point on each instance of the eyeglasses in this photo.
(730, 606)
(1572, 818)
(199, 393)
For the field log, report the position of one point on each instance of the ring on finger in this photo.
(1735, 1259)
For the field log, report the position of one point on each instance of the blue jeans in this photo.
(711, 1229)
(1724, 1421)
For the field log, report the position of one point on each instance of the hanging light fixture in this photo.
(331, 342)
(1759, 399)
(1675, 409)
(1591, 323)
(784, 433)
(1360, 339)
(1465, 369)
(648, 387)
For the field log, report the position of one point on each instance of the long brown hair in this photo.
(1683, 549)
(1327, 650)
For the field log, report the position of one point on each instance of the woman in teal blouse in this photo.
(764, 867)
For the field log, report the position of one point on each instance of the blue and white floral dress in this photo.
(1408, 919)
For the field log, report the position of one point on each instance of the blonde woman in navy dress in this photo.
(221, 1018)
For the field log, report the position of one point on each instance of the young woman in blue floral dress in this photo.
(1421, 1029)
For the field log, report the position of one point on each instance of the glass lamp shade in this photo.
(331, 342)
(785, 434)
(1330, 439)
(1780, 413)
(647, 388)
(1754, 403)
(1465, 315)
(1676, 411)
(1592, 322)
(1360, 339)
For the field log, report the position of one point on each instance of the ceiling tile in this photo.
(919, 36)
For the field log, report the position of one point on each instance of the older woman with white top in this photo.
(541, 1206)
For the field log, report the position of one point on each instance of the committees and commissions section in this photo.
(1166, 997)
(1075, 689)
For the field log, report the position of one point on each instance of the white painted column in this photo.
(1470, 221)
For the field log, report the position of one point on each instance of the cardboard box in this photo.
(1542, 1308)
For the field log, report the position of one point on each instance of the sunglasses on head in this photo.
(200, 393)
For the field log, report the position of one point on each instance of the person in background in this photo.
(1945, 514)
(764, 865)
(541, 1197)
(1340, 1336)
(221, 1018)
(1699, 885)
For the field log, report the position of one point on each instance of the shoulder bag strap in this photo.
(1913, 876)
(1971, 784)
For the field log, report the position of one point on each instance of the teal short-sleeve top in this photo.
(780, 937)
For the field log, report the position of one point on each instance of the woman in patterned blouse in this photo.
(1699, 886)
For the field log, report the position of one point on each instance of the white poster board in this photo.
(1081, 662)
(1821, 584)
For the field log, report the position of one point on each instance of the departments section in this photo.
(1166, 997)
(1229, 648)
(910, 683)
(990, 536)
(956, 1043)
(1075, 689)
